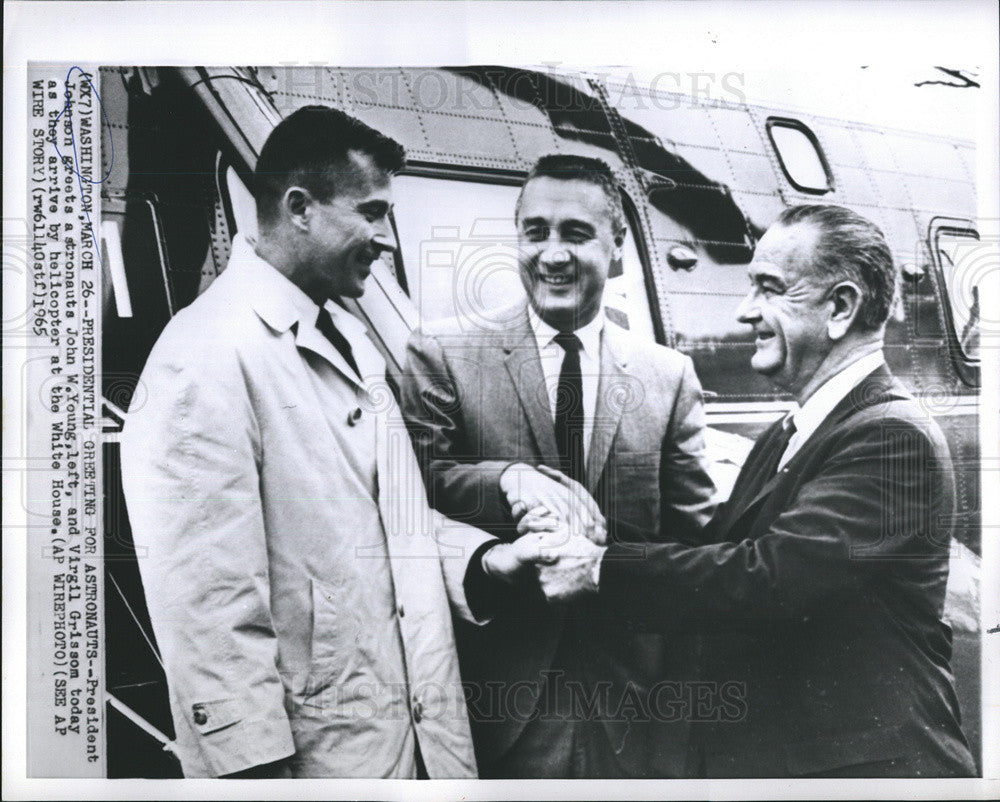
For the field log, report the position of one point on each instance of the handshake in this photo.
(561, 534)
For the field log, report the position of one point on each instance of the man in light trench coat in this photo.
(297, 582)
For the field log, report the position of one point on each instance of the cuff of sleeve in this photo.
(482, 592)
(611, 574)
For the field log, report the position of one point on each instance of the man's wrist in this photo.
(484, 559)
(490, 562)
(507, 478)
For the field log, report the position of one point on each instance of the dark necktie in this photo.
(325, 325)
(770, 465)
(569, 408)
(753, 477)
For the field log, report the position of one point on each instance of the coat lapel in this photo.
(271, 296)
(525, 371)
(310, 338)
(607, 413)
(878, 387)
(768, 486)
(747, 483)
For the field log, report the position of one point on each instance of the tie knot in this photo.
(568, 341)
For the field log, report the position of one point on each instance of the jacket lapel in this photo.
(607, 415)
(271, 296)
(876, 388)
(768, 486)
(747, 483)
(525, 371)
(310, 338)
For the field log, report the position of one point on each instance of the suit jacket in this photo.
(822, 587)
(475, 402)
(292, 568)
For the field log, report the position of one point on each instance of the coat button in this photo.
(354, 416)
(400, 611)
(418, 711)
(200, 716)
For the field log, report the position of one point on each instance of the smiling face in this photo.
(345, 234)
(788, 309)
(566, 245)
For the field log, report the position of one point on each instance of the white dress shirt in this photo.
(551, 354)
(820, 404)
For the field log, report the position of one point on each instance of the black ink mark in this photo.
(967, 81)
(68, 110)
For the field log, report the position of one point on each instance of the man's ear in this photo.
(845, 298)
(297, 203)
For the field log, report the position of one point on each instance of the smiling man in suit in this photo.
(822, 579)
(553, 382)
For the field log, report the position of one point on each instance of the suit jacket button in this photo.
(400, 611)
(200, 716)
(354, 416)
(418, 711)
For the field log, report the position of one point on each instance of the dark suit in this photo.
(476, 402)
(822, 587)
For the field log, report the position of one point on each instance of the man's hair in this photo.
(850, 247)
(568, 167)
(309, 148)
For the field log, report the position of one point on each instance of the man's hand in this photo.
(570, 566)
(532, 490)
(541, 519)
(509, 562)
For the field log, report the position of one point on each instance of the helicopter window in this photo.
(458, 243)
(957, 252)
(802, 159)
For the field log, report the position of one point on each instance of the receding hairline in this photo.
(362, 169)
(800, 253)
(571, 177)
(366, 176)
(804, 246)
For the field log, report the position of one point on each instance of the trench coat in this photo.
(297, 581)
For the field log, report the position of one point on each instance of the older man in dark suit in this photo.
(555, 383)
(822, 580)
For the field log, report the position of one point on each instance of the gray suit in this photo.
(475, 402)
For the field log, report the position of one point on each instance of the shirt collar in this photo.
(820, 404)
(590, 335)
